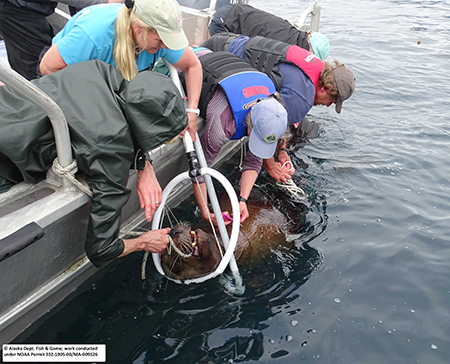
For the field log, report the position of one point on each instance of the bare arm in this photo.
(52, 61)
(192, 68)
(154, 241)
(248, 179)
(148, 190)
(201, 195)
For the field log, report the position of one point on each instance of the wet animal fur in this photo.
(265, 226)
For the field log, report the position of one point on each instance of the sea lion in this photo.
(196, 253)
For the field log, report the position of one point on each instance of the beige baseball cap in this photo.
(345, 82)
(165, 17)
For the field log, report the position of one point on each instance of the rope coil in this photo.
(292, 187)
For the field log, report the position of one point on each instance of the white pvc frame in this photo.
(228, 242)
(229, 250)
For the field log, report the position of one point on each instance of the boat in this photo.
(43, 226)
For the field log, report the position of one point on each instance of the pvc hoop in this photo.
(229, 251)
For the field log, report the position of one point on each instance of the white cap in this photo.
(269, 119)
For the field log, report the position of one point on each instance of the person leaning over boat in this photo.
(131, 37)
(237, 101)
(109, 119)
(26, 30)
(301, 78)
(246, 20)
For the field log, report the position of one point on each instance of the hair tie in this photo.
(129, 3)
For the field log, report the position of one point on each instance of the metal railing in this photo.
(314, 12)
(39, 98)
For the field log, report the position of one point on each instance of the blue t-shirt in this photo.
(90, 34)
(297, 90)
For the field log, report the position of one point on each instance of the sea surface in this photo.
(365, 275)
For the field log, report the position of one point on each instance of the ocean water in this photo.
(364, 275)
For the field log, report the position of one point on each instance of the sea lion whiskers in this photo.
(186, 243)
(204, 255)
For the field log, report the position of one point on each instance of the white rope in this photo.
(137, 233)
(288, 162)
(292, 187)
(133, 233)
(172, 245)
(144, 264)
(69, 173)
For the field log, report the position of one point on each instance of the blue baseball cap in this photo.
(320, 45)
(269, 119)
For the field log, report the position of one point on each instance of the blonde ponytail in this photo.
(124, 44)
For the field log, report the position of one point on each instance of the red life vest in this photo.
(306, 61)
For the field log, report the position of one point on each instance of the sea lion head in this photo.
(193, 254)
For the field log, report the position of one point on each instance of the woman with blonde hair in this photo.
(131, 37)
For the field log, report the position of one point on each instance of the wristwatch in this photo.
(242, 199)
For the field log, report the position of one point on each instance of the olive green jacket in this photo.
(109, 119)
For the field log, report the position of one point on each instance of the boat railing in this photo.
(212, 5)
(314, 12)
(196, 21)
(39, 98)
(62, 14)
